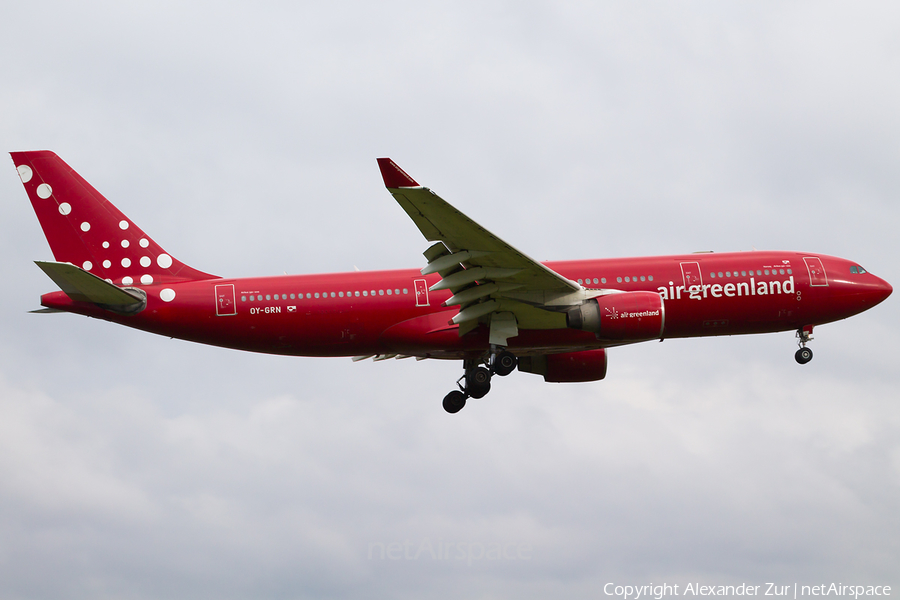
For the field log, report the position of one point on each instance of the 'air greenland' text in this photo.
(728, 290)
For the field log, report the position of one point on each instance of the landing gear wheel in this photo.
(504, 363)
(803, 355)
(454, 401)
(478, 382)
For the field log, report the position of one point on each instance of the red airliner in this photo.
(478, 299)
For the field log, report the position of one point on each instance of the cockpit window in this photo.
(857, 269)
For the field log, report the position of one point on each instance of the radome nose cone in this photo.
(884, 290)
(876, 291)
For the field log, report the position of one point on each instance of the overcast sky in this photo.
(243, 138)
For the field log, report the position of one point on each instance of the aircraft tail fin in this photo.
(85, 229)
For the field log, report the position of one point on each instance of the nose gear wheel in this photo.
(804, 354)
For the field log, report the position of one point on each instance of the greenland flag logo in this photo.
(292, 309)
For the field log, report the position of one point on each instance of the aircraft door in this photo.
(225, 304)
(421, 292)
(690, 272)
(817, 276)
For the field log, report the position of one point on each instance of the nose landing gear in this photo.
(804, 354)
(478, 378)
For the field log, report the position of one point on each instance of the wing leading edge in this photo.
(491, 281)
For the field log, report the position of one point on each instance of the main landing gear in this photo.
(804, 354)
(477, 378)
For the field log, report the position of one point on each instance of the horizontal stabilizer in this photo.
(81, 286)
(46, 311)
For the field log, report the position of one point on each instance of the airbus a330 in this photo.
(477, 299)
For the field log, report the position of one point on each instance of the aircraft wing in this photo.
(487, 276)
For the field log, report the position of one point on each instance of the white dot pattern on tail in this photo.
(25, 173)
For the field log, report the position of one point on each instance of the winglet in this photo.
(394, 176)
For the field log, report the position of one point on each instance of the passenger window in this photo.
(603, 280)
(389, 291)
(650, 277)
(721, 274)
(405, 291)
(627, 279)
(618, 279)
(580, 281)
(243, 298)
(789, 272)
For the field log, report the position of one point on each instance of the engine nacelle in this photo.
(625, 316)
(569, 367)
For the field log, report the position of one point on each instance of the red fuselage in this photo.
(380, 312)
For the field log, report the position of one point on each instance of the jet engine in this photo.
(624, 316)
(569, 367)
